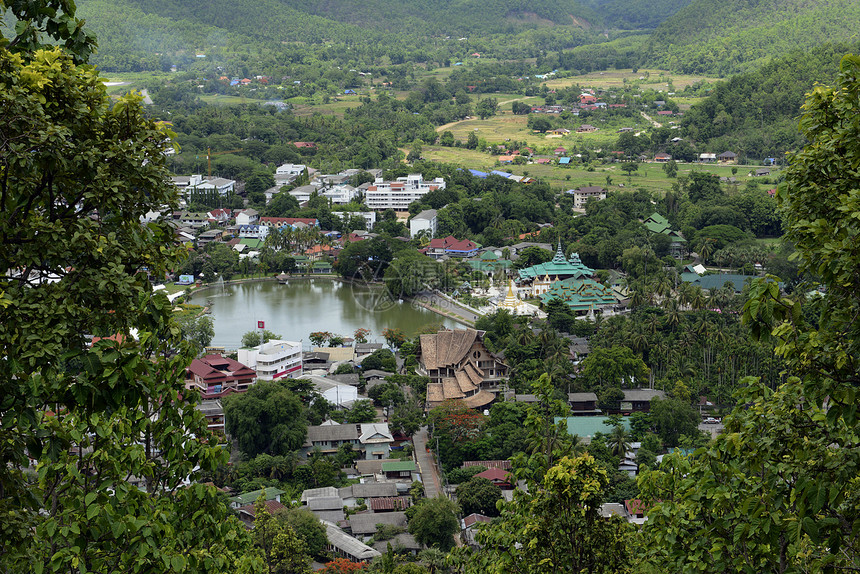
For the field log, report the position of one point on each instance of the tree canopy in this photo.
(77, 173)
(267, 418)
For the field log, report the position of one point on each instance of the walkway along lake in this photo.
(304, 305)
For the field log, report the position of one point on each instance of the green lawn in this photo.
(650, 176)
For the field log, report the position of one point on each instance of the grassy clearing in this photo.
(335, 108)
(650, 176)
(506, 126)
(650, 78)
(222, 100)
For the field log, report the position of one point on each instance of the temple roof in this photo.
(559, 266)
(580, 294)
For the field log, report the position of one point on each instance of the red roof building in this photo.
(451, 246)
(501, 478)
(291, 221)
(216, 376)
(248, 513)
(502, 464)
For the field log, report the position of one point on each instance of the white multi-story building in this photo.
(340, 194)
(397, 195)
(291, 169)
(424, 221)
(274, 360)
(369, 217)
(583, 194)
(197, 182)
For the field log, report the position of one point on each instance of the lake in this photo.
(302, 306)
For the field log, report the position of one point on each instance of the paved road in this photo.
(429, 474)
(452, 309)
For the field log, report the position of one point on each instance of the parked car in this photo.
(711, 421)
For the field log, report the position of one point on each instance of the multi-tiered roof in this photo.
(559, 267)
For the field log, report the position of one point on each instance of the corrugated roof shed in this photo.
(366, 523)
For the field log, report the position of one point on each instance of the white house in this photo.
(341, 194)
(424, 221)
(397, 195)
(274, 359)
(186, 183)
(303, 192)
(338, 394)
(247, 216)
(291, 169)
(583, 194)
(253, 231)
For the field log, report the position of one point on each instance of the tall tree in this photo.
(434, 522)
(555, 526)
(77, 173)
(478, 495)
(268, 418)
(788, 457)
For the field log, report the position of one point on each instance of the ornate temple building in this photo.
(559, 268)
(460, 367)
(581, 295)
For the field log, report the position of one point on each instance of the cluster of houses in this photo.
(354, 514)
(215, 376)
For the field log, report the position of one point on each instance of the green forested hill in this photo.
(131, 32)
(728, 36)
(756, 113)
(635, 14)
(454, 17)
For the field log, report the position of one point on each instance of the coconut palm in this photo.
(618, 441)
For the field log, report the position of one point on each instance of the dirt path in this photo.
(656, 124)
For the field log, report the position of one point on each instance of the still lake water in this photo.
(302, 306)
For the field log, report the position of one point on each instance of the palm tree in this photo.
(706, 248)
(697, 299)
(673, 313)
(618, 441)
(434, 559)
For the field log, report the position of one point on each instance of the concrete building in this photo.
(291, 169)
(397, 195)
(424, 221)
(274, 359)
(369, 217)
(583, 194)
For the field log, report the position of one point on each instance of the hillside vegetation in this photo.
(756, 113)
(635, 14)
(729, 36)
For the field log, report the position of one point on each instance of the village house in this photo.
(452, 247)
(728, 157)
(423, 222)
(372, 440)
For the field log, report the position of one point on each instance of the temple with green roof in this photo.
(656, 223)
(580, 295)
(559, 268)
(489, 262)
